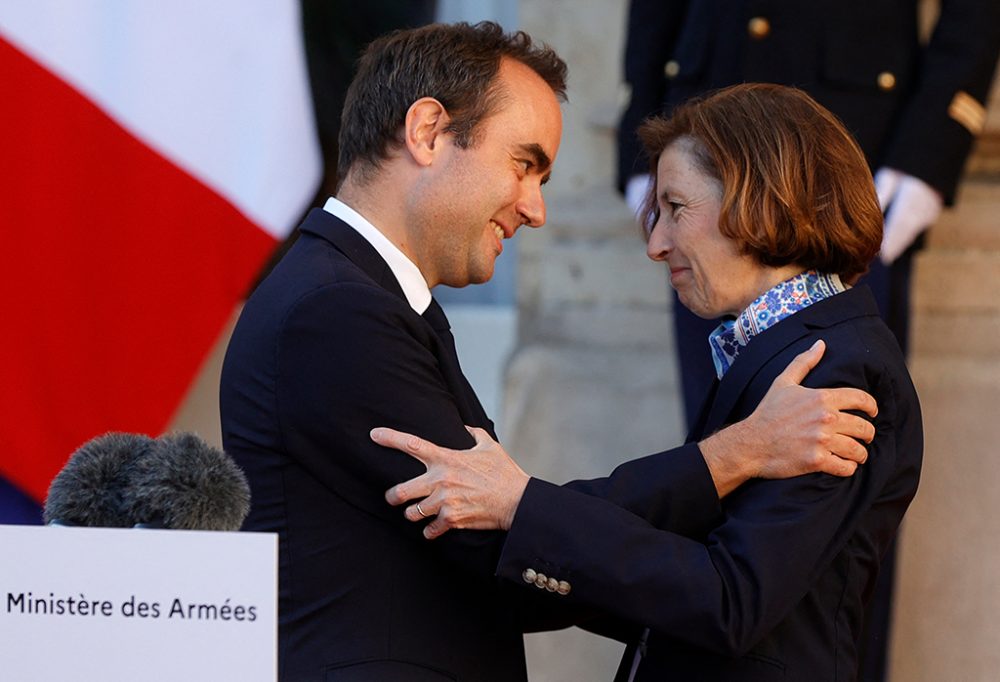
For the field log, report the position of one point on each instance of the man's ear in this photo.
(426, 121)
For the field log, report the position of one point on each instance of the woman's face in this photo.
(711, 277)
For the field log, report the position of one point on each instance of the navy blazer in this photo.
(772, 588)
(326, 349)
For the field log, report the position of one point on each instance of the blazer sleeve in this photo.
(957, 68)
(683, 499)
(672, 490)
(728, 589)
(351, 357)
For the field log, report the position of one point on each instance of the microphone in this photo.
(121, 480)
(90, 488)
(185, 483)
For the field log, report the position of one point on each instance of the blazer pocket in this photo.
(381, 671)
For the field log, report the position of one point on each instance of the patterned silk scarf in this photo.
(768, 309)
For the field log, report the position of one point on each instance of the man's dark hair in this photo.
(456, 64)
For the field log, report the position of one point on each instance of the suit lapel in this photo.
(697, 431)
(466, 399)
(357, 249)
(855, 302)
(761, 349)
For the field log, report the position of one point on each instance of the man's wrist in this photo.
(730, 458)
(507, 519)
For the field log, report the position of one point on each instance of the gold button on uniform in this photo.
(541, 580)
(529, 575)
(759, 28)
(552, 585)
(886, 80)
(671, 69)
(563, 588)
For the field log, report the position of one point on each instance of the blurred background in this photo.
(158, 156)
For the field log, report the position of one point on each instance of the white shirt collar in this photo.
(414, 286)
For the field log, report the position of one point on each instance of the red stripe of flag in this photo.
(121, 270)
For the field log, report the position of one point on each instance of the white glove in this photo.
(912, 205)
(636, 189)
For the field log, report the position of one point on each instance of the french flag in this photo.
(152, 155)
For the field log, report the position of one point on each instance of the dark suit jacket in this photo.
(774, 587)
(833, 49)
(326, 349)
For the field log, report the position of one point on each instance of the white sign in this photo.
(110, 604)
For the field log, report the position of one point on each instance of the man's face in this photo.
(475, 198)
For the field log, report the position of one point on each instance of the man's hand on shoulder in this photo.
(794, 431)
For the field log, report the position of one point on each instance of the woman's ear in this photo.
(426, 121)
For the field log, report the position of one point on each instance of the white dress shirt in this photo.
(414, 286)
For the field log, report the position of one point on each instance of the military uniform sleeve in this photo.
(945, 111)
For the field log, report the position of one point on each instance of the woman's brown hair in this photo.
(796, 186)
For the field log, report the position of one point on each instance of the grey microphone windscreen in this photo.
(90, 488)
(185, 483)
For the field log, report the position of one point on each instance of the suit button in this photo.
(552, 585)
(886, 80)
(563, 588)
(529, 575)
(671, 69)
(541, 580)
(759, 28)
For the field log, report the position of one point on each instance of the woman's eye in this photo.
(674, 206)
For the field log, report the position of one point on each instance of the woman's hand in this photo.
(478, 488)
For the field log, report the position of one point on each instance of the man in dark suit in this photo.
(344, 333)
(914, 108)
(448, 134)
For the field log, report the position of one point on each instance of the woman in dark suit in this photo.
(765, 213)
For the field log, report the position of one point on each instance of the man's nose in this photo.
(531, 206)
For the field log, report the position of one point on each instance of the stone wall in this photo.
(946, 624)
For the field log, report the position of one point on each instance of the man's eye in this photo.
(674, 206)
(526, 164)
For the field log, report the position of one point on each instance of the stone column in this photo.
(946, 625)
